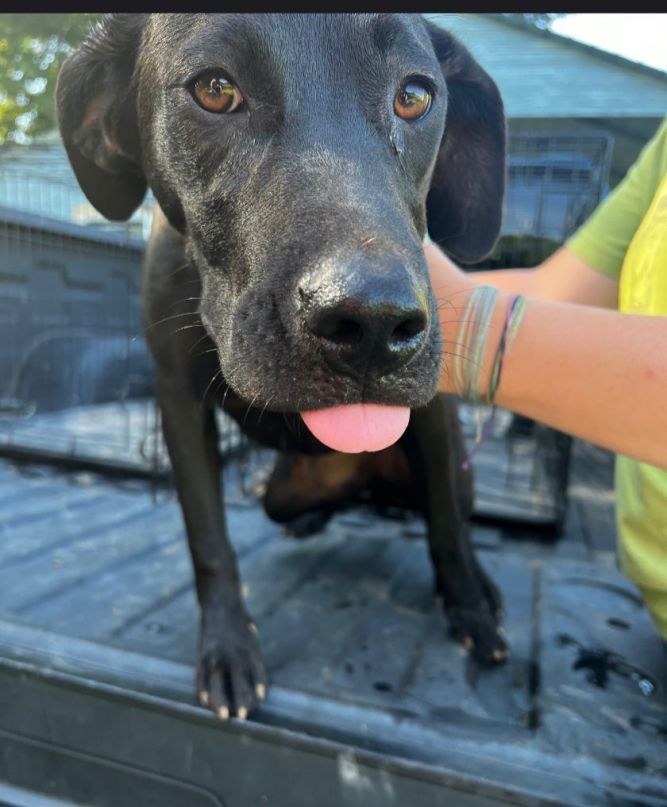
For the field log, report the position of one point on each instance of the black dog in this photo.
(295, 160)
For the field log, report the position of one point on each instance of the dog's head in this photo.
(301, 157)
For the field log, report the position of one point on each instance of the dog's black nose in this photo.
(367, 320)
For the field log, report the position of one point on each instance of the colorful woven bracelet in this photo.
(515, 310)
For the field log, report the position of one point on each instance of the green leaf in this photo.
(32, 49)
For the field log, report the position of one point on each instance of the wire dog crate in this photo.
(76, 378)
(70, 339)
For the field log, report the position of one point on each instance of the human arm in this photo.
(563, 277)
(597, 374)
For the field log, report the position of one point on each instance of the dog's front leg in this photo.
(472, 603)
(231, 677)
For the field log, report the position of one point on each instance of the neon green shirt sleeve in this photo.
(603, 240)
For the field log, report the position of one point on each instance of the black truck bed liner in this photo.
(371, 703)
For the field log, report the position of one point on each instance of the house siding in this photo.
(548, 76)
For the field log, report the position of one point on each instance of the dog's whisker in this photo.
(178, 269)
(448, 303)
(221, 381)
(449, 237)
(210, 383)
(299, 420)
(185, 300)
(224, 397)
(288, 422)
(454, 343)
(198, 342)
(448, 295)
(250, 405)
(169, 318)
(261, 414)
(186, 328)
(462, 356)
(205, 352)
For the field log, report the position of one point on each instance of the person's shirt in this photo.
(603, 240)
(626, 238)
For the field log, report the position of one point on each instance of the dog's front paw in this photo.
(231, 677)
(474, 609)
(479, 631)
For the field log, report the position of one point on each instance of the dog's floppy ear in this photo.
(464, 204)
(96, 110)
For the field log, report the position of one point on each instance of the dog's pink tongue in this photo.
(358, 427)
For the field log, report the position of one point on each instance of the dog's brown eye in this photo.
(412, 101)
(215, 94)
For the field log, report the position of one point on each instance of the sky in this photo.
(640, 37)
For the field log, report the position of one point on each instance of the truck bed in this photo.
(371, 702)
